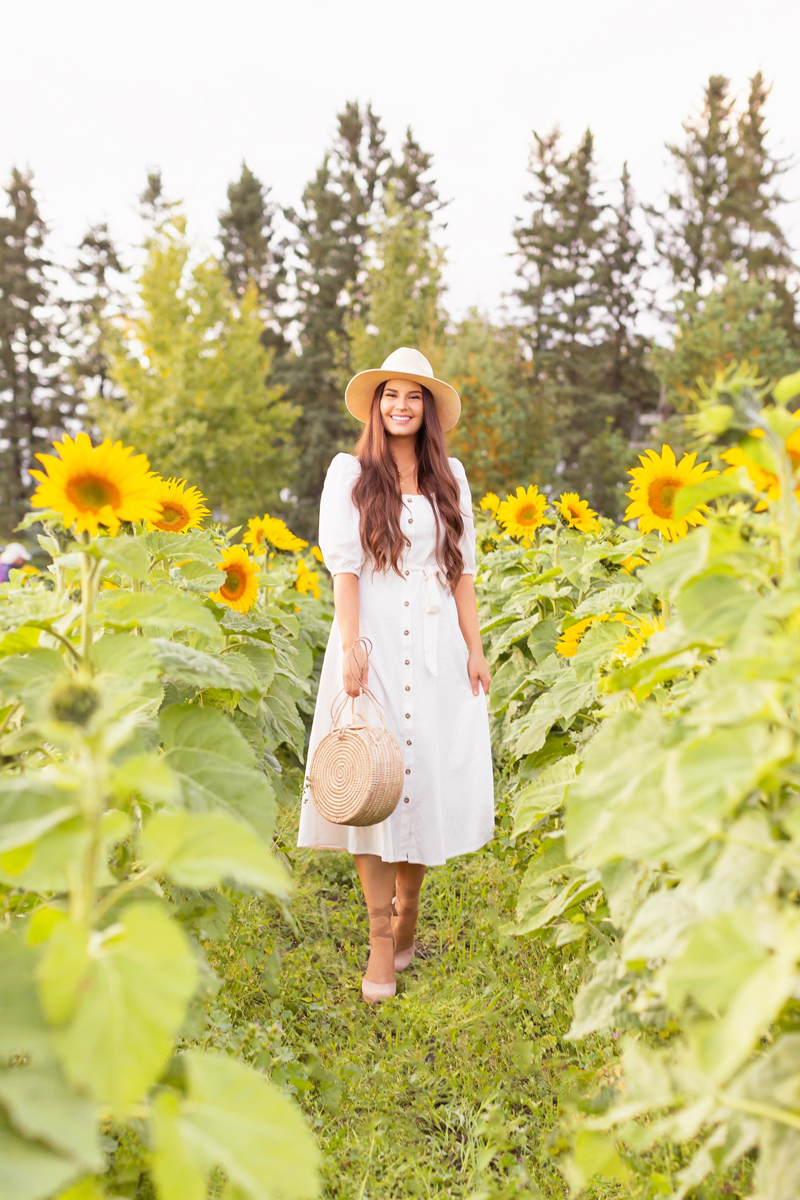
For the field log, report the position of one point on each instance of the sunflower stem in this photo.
(88, 584)
(93, 807)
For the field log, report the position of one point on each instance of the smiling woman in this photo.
(397, 534)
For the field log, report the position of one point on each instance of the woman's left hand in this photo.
(478, 670)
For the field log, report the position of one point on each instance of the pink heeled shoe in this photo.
(380, 928)
(408, 912)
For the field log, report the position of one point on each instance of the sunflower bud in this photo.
(74, 703)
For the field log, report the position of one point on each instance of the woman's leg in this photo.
(378, 881)
(408, 884)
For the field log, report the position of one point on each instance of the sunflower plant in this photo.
(152, 715)
(644, 708)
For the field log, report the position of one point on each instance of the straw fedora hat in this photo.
(403, 364)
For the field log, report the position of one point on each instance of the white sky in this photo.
(94, 91)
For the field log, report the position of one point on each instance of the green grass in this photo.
(452, 1089)
(446, 1090)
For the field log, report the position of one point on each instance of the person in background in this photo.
(15, 555)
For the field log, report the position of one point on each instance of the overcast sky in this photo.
(93, 92)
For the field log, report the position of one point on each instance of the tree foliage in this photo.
(36, 401)
(580, 265)
(192, 371)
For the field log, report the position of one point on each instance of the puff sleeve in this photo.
(467, 543)
(339, 536)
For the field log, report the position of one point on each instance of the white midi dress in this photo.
(418, 671)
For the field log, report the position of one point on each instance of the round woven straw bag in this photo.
(356, 774)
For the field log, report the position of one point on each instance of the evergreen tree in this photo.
(190, 369)
(36, 404)
(252, 252)
(340, 207)
(97, 275)
(723, 207)
(741, 320)
(403, 287)
(581, 271)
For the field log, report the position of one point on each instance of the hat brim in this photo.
(361, 389)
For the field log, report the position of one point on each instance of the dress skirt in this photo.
(418, 672)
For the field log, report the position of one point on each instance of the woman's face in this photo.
(402, 408)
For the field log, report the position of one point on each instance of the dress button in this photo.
(408, 716)
(408, 572)
(406, 602)
(405, 799)
(408, 662)
(408, 770)
(408, 743)
(411, 520)
(408, 689)
(405, 633)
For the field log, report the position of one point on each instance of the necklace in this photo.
(402, 476)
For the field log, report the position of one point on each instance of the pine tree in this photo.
(403, 287)
(36, 404)
(96, 273)
(189, 367)
(332, 227)
(723, 207)
(253, 253)
(581, 271)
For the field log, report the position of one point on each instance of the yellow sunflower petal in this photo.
(655, 486)
(182, 507)
(92, 486)
(240, 589)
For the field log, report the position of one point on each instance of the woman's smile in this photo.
(407, 418)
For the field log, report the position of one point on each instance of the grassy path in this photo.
(448, 1090)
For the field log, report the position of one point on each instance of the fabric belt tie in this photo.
(432, 606)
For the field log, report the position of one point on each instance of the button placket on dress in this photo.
(407, 739)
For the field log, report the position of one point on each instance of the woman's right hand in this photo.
(356, 669)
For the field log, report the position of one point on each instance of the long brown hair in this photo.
(378, 498)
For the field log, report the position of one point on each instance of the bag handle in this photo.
(340, 705)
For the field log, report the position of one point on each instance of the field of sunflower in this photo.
(155, 680)
(645, 703)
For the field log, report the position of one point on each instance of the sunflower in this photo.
(520, 515)
(261, 530)
(631, 562)
(96, 485)
(317, 554)
(182, 507)
(490, 503)
(240, 588)
(256, 534)
(281, 536)
(577, 514)
(656, 483)
(567, 644)
(630, 645)
(763, 479)
(307, 581)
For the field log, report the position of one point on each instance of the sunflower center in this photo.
(174, 516)
(661, 496)
(234, 583)
(527, 514)
(90, 493)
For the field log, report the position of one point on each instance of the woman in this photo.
(397, 535)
